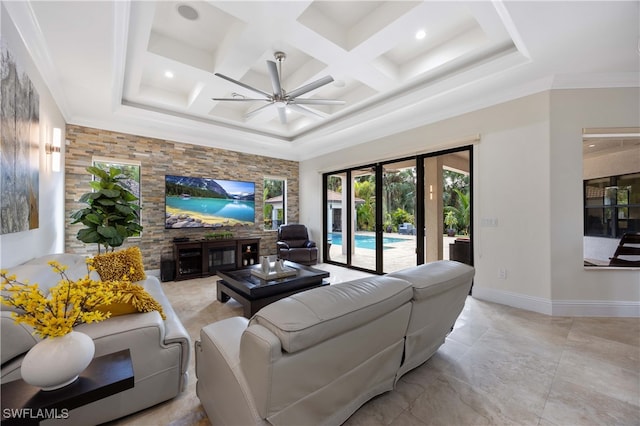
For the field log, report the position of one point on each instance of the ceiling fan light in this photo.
(283, 101)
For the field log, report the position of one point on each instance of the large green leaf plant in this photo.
(112, 213)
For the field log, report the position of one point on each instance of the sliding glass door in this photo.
(447, 206)
(390, 216)
(362, 236)
(399, 213)
(335, 197)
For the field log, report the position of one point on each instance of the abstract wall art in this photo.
(19, 147)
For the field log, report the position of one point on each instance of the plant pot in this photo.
(451, 232)
(57, 361)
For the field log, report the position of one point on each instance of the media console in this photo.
(202, 258)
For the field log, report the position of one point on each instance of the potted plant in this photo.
(218, 235)
(112, 214)
(451, 221)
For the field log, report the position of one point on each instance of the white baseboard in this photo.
(564, 308)
(596, 308)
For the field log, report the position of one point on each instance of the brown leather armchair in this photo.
(294, 245)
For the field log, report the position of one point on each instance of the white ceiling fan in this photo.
(281, 98)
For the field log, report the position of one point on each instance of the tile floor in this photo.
(499, 366)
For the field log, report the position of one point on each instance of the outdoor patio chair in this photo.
(406, 229)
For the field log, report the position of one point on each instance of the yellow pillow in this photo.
(130, 298)
(117, 309)
(114, 266)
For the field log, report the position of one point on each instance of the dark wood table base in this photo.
(254, 294)
(251, 306)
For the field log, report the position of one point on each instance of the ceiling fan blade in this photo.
(307, 111)
(275, 78)
(311, 101)
(311, 86)
(240, 99)
(282, 112)
(246, 86)
(257, 110)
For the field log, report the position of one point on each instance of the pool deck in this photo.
(397, 255)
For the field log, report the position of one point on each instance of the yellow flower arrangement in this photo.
(70, 302)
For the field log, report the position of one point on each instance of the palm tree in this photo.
(462, 211)
(365, 216)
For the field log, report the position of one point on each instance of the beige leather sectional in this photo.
(317, 356)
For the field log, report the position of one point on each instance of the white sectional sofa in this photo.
(160, 349)
(317, 356)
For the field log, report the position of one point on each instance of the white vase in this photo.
(279, 265)
(264, 264)
(57, 361)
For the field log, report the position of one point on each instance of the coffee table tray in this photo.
(274, 275)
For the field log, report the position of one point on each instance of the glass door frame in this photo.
(379, 228)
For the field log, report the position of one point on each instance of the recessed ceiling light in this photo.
(168, 74)
(188, 12)
(421, 34)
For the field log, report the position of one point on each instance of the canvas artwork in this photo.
(19, 147)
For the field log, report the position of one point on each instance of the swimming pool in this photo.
(365, 241)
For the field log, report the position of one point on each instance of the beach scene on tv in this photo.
(192, 202)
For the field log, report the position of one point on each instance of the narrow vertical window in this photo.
(130, 170)
(275, 203)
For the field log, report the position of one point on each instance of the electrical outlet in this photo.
(502, 273)
(489, 222)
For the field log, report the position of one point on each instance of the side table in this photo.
(23, 404)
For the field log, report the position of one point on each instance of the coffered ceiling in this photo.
(148, 67)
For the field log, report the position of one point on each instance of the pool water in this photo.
(365, 241)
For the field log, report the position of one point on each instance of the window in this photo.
(611, 190)
(130, 169)
(275, 202)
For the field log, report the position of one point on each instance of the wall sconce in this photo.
(431, 192)
(53, 149)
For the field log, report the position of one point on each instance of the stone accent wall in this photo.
(158, 158)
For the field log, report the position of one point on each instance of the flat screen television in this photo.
(194, 202)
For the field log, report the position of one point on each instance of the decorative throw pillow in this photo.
(130, 298)
(116, 265)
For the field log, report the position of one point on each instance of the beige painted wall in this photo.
(19, 247)
(528, 176)
(159, 158)
(573, 110)
(510, 191)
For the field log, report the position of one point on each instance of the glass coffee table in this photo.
(254, 293)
